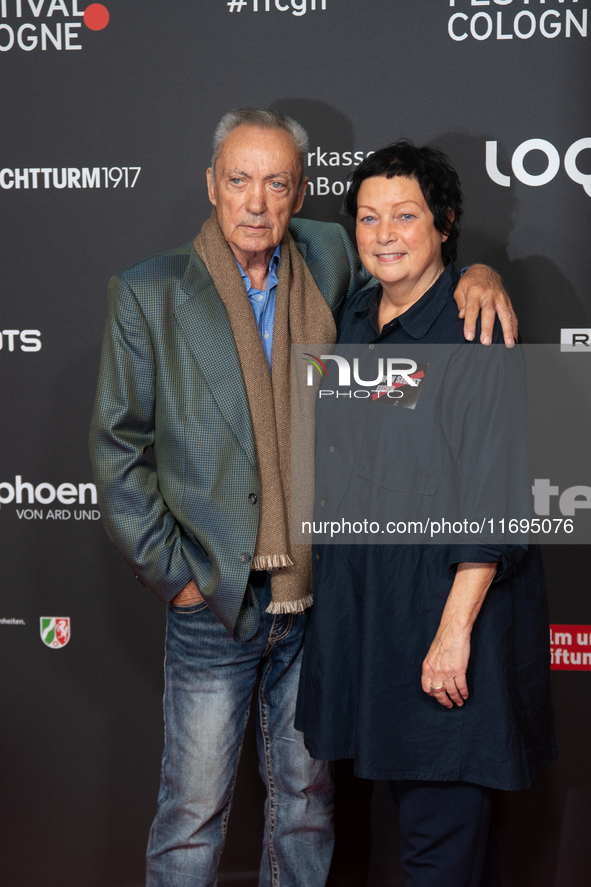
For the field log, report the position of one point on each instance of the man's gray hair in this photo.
(264, 119)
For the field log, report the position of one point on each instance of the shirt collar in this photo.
(273, 268)
(416, 320)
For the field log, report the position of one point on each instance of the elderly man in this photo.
(191, 450)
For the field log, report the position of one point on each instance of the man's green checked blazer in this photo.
(170, 379)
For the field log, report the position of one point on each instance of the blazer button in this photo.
(245, 557)
(252, 498)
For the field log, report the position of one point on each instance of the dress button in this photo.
(252, 498)
(332, 449)
(245, 557)
(322, 502)
(371, 347)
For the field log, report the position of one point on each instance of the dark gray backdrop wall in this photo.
(106, 132)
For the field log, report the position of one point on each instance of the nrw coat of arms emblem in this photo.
(55, 631)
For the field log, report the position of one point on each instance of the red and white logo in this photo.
(55, 631)
(48, 24)
(570, 647)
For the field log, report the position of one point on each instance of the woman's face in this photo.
(396, 238)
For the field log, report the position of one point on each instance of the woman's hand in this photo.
(446, 663)
(445, 666)
(481, 291)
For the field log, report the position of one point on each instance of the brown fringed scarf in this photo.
(301, 316)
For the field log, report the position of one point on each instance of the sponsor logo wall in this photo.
(108, 112)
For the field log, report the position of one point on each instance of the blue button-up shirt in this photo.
(262, 302)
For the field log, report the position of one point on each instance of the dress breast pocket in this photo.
(388, 490)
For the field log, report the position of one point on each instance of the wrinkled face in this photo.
(396, 237)
(257, 189)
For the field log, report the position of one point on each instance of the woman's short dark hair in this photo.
(436, 176)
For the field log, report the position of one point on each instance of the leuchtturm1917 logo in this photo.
(55, 631)
(72, 177)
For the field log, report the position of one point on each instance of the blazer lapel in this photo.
(205, 325)
(303, 248)
(318, 272)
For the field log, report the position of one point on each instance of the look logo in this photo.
(546, 148)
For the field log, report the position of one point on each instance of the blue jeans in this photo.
(209, 684)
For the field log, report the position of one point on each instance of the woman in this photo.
(427, 664)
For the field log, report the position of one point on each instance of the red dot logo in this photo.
(96, 16)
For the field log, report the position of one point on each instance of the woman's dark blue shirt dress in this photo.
(377, 609)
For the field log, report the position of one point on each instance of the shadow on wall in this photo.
(543, 298)
(330, 130)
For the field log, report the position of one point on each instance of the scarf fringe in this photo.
(282, 607)
(271, 561)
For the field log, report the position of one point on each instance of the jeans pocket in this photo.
(189, 609)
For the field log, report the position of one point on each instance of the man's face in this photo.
(257, 190)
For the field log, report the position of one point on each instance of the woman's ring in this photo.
(438, 688)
